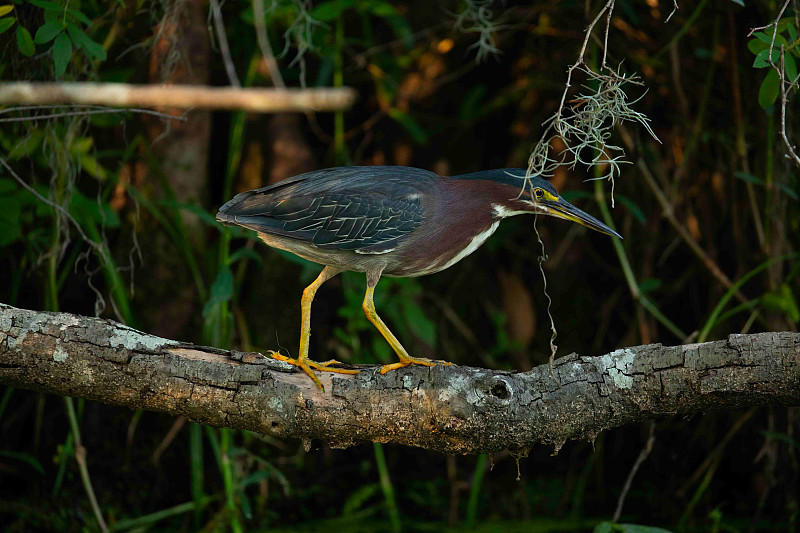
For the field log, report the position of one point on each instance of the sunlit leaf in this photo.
(6, 23)
(93, 167)
(81, 145)
(782, 300)
(5, 10)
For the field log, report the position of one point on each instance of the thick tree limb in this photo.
(447, 408)
(178, 96)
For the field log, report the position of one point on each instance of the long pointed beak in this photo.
(567, 211)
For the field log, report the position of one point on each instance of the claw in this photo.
(306, 365)
(406, 361)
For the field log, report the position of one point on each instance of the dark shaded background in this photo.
(423, 101)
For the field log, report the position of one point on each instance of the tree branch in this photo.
(178, 96)
(446, 408)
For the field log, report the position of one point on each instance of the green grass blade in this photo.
(386, 486)
(475, 490)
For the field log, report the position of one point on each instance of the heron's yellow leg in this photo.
(302, 360)
(372, 316)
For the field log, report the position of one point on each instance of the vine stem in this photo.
(80, 457)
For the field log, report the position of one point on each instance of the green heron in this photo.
(388, 221)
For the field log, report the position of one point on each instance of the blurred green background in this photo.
(453, 87)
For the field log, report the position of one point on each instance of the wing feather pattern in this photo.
(369, 210)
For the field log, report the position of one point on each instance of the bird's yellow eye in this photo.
(538, 193)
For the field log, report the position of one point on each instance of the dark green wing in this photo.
(364, 209)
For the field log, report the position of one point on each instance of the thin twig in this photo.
(181, 118)
(609, 6)
(674, 10)
(95, 245)
(785, 88)
(668, 211)
(80, 458)
(648, 447)
(219, 26)
(553, 332)
(263, 43)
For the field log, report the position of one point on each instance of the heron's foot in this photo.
(406, 361)
(306, 365)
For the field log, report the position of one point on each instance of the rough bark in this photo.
(181, 55)
(447, 408)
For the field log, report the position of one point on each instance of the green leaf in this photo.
(471, 107)
(330, 10)
(47, 6)
(62, 52)
(25, 458)
(419, 135)
(81, 145)
(756, 45)
(201, 213)
(649, 285)
(27, 145)
(768, 92)
(91, 210)
(790, 67)
(636, 528)
(421, 326)
(10, 226)
(637, 213)
(242, 253)
(25, 42)
(359, 497)
(738, 2)
(93, 167)
(782, 300)
(792, 31)
(80, 16)
(48, 31)
(767, 38)
(221, 290)
(746, 176)
(6, 23)
(761, 59)
(81, 40)
(5, 10)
